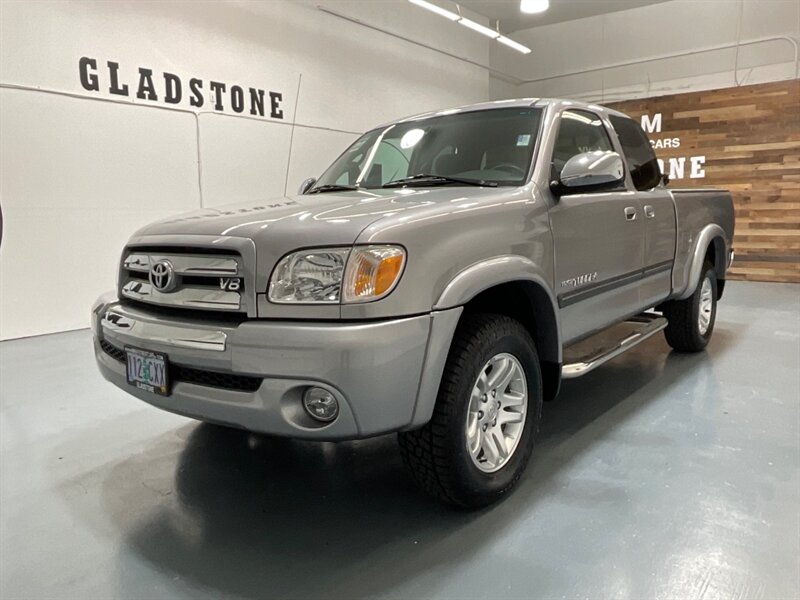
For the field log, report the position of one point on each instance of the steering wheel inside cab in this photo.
(509, 168)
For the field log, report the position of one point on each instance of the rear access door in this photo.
(658, 211)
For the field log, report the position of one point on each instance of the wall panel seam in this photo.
(27, 88)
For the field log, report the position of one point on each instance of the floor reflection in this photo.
(257, 516)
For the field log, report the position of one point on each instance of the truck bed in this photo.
(696, 210)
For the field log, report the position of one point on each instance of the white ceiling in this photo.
(511, 19)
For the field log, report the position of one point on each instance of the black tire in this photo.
(437, 454)
(683, 332)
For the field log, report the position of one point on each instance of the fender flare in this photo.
(705, 238)
(498, 270)
(487, 273)
(447, 310)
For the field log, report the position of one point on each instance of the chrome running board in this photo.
(586, 355)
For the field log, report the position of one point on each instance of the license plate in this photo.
(147, 370)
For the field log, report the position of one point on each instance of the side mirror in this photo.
(306, 185)
(590, 171)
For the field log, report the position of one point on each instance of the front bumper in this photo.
(385, 374)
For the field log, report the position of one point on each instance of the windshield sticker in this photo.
(524, 139)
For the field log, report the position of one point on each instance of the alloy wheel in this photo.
(496, 416)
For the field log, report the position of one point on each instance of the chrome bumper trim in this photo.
(183, 337)
(186, 297)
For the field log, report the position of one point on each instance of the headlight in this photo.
(316, 276)
(309, 276)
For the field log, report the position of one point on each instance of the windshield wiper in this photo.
(333, 187)
(425, 179)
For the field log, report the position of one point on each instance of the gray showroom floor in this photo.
(659, 475)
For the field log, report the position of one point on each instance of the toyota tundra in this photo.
(439, 280)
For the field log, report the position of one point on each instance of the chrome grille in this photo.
(191, 280)
(210, 266)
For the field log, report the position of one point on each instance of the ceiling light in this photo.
(482, 29)
(515, 45)
(534, 6)
(479, 28)
(437, 9)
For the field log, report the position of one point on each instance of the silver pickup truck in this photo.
(439, 280)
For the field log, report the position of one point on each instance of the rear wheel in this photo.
(481, 435)
(691, 321)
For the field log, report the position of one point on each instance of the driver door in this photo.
(598, 238)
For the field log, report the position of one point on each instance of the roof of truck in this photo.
(513, 103)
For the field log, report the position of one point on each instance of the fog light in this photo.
(320, 404)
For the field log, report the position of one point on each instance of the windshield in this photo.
(489, 146)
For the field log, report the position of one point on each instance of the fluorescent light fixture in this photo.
(437, 9)
(534, 6)
(515, 45)
(479, 28)
(482, 29)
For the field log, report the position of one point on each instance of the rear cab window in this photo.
(639, 154)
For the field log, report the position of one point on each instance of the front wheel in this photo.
(481, 435)
(691, 321)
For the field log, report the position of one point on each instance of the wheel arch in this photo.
(717, 256)
(513, 286)
(710, 244)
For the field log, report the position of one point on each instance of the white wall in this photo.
(653, 31)
(81, 170)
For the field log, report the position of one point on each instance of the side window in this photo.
(639, 154)
(353, 158)
(579, 131)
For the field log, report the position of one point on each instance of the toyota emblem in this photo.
(162, 276)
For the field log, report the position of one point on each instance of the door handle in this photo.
(649, 211)
(630, 213)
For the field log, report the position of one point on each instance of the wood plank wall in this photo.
(750, 138)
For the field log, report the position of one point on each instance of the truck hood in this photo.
(309, 220)
(282, 225)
